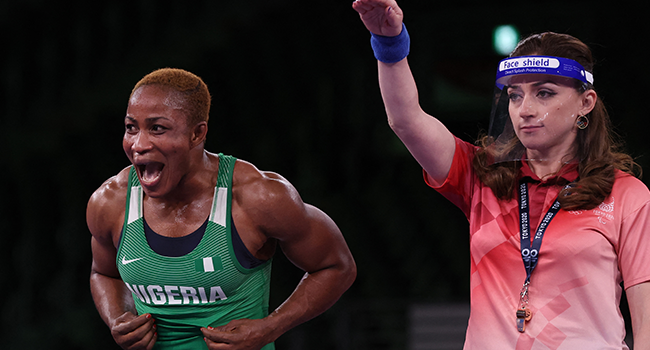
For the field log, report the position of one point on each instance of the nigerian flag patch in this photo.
(209, 264)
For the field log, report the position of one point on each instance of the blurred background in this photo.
(294, 88)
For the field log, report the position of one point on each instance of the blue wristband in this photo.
(391, 49)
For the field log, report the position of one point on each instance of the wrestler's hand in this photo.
(381, 17)
(244, 334)
(133, 332)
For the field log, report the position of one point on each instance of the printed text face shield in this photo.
(535, 105)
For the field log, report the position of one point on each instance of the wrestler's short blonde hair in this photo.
(193, 91)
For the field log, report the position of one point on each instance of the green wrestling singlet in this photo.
(206, 287)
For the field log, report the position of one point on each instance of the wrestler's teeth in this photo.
(151, 171)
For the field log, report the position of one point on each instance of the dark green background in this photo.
(294, 91)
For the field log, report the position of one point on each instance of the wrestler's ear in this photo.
(199, 133)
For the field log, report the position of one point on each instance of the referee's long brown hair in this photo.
(598, 151)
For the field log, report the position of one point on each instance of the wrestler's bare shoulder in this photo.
(105, 210)
(266, 197)
(112, 189)
(247, 175)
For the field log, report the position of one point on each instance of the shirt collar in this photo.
(568, 173)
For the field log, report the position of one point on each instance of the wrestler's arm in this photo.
(310, 240)
(114, 302)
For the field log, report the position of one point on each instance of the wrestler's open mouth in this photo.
(150, 172)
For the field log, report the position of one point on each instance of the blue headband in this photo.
(561, 66)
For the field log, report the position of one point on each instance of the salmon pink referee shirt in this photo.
(586, 259)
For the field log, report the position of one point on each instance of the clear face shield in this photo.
(534, 105)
